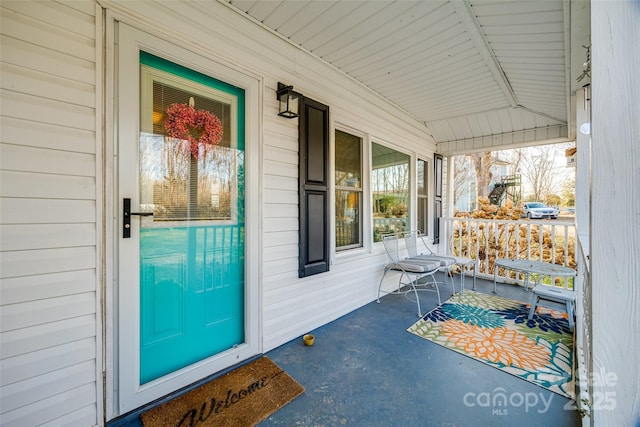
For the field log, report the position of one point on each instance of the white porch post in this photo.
(615, 212)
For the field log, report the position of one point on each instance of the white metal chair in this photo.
(411, 268)
(411, 239)
(447, 261)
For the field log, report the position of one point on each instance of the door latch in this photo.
(126, 217)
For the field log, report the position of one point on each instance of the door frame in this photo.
(123, 392)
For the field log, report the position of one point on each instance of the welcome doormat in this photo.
(242, 397)
(496, 331)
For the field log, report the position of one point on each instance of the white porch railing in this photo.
(488, 239)
(584, 332)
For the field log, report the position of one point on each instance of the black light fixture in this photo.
(289, 101)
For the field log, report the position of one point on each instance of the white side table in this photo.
(466, 263)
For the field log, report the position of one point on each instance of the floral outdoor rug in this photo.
(496, 331)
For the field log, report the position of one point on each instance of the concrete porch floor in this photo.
(366, 370)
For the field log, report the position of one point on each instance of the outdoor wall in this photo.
(50, 215)
(291, 306)
(53, 239)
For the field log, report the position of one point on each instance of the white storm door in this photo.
(187, 300)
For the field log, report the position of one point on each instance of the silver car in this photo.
(538, 210)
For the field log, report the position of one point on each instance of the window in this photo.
(423, 201)
(437, 199)
(348, 149)
(390, 188)
(181, 179)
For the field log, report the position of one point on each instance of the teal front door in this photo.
(191, 210)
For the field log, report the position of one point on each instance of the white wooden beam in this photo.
(468, 18)
(541, 114)
(522, 138)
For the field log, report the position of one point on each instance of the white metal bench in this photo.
(542, 293)
(411, 268)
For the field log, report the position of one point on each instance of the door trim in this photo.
(126, 393)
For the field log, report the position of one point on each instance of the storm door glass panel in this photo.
(191, 163)
(422, 196)
(348, 176)
(390, 187)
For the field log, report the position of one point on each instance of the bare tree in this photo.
(482, 166)
(515, 158)
(538, 169)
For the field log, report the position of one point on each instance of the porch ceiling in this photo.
(478, 73)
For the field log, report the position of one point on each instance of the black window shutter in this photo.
(313, 176)
(437, 211)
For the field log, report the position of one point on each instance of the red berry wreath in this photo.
(184, 121)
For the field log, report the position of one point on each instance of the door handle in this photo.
(126, 217)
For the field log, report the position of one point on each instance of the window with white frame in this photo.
(423, 200)
(348, 188)
(390, 190)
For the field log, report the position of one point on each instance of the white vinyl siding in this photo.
(48, 214)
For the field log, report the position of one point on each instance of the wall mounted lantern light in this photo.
(289, 101)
